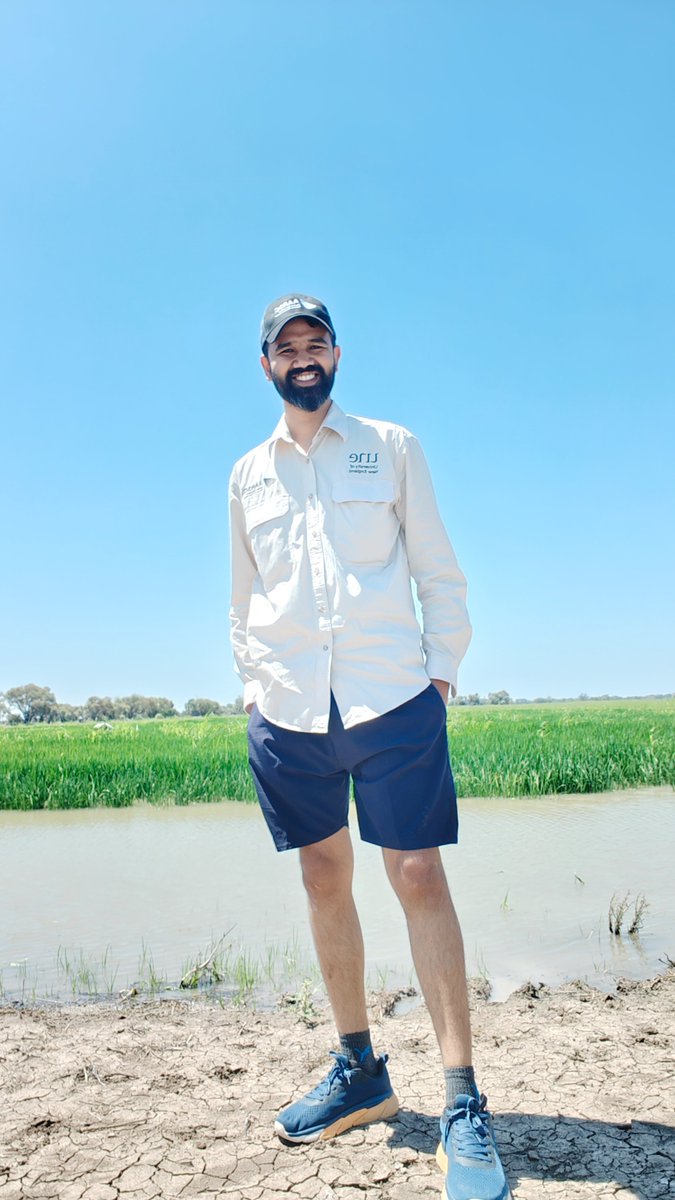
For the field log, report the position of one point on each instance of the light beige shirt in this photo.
(324, 545)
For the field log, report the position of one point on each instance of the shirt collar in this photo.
(335, 419)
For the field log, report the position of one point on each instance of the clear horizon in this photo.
(483, 197)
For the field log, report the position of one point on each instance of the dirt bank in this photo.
(167, 1100)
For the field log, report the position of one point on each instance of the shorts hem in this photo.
(302, 845)
(433, 845)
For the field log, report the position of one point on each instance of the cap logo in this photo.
(293, 303)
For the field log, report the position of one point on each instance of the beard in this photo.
(306, 398)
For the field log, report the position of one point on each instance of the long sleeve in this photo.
(441, 586)
(243, 572)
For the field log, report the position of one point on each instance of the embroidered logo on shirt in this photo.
(252, 493)
(364, 462)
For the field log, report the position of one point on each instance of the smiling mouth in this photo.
(306, 377)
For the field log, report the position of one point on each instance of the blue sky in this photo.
(483, 195)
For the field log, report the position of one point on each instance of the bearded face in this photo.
(305, 387)
(301, 363)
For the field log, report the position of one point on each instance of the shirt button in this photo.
(311, 496)
(325, 647)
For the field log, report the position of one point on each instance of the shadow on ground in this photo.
(639, 1157)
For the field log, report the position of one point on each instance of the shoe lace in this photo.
(472, 1133)
(338, 1072)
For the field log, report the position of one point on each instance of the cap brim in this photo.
(297, 316)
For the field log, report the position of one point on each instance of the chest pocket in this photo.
(366, 526)
(266, 513)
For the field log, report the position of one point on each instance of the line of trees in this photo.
(491, 698)
(32, 704)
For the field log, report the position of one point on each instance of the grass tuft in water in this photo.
(220, 970)
(619, 910)
(639, 909)
(206, 970)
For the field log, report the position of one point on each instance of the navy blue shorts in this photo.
(399, 763)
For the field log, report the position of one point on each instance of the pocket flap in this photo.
(264, 506)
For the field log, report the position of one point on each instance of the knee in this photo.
(417, 877)
(326, 878)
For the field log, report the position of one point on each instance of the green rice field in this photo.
(527, 750)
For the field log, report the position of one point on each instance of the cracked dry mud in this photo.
(169, 1099)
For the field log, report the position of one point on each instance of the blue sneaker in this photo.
(347, 1096)
(467, 1154)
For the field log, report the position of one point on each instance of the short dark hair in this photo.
(310, 321)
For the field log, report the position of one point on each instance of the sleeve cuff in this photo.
(250, 692)
(439, 666)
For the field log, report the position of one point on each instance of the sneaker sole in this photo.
(362, 1116)
(442, 1160)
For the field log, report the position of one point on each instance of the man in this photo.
(331, 518)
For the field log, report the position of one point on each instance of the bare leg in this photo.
(418, 878)
(327, 871)
(354, 1097)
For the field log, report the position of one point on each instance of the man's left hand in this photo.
(443, 687)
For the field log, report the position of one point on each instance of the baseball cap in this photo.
(287, 308)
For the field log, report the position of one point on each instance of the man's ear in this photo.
(336, 352)
(265, 364)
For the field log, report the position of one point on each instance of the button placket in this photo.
(316, 561)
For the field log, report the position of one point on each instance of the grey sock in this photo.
(459, 1081)
(359, 1051)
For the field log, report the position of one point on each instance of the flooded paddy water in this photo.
(142, 892)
